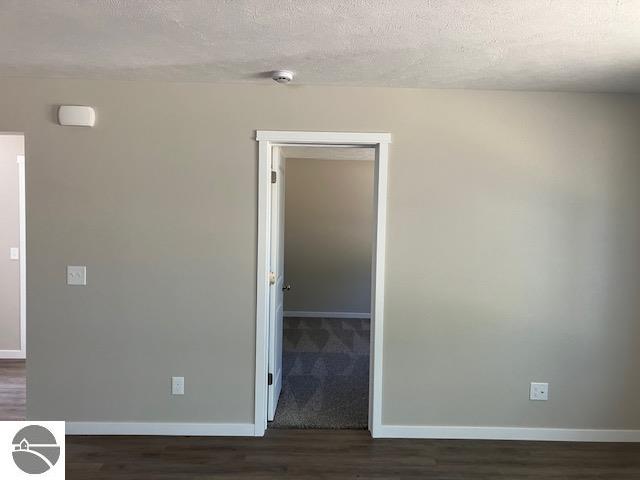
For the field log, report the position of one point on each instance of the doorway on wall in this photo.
(322, 213)
(12, 278)
(324, 230)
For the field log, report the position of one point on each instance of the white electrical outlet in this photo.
(177, 385)
(76, 275)
(539, 391)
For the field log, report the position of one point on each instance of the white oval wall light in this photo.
(76, 116)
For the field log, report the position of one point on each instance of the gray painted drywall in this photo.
(512, 249)
(328, 235)
(10, 147)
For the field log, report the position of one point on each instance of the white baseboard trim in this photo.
(148, 428)
(383, 431)
(507, 433)
(305, 314)
(17, 354)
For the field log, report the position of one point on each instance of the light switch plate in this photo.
(177, 385)
(539, 391)
(76, 275)
(14, 253)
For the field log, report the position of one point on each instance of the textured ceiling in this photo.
(588, 45)
(330, 153)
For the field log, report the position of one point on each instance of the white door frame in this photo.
(22, 252)
(266, 140)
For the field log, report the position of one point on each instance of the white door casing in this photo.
(276, 292)
(267, 139)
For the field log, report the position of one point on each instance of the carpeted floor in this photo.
(326, 374)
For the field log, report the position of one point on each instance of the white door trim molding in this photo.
(152, 428)
(507, 433)
(22, 353)
(305, 314)
(338, 139)
(267, 140)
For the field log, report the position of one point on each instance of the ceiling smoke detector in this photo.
(282, 76)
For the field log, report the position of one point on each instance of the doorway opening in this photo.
(12, 278)
(321, 235)
(327, 225)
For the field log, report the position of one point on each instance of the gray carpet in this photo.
(326, 374)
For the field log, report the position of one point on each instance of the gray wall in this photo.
(513, 233)
(328, 235)
(10, 147)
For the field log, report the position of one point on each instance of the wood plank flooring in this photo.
(13, 388)
(344, 454)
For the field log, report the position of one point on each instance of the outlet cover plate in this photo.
(177, 385)
(76, 275)
(539, 391)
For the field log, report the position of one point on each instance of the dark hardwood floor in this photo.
(343, 454)
(12, 390)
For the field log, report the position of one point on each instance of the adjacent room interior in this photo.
(12, 315)
(328, 238)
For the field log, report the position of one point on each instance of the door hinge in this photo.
(274, 176)
(272, 278)
(270, 379)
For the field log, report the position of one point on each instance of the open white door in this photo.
(276, 297)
